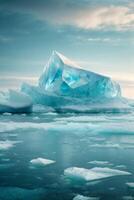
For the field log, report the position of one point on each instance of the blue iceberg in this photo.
(63, 77)
(65, 86)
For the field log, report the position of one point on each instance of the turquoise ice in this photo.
(65, 86)
(63, 77)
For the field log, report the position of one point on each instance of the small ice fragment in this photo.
(93, 174)
(41, 162)
(96, 162)
(131, 184)
(81, 197)
(121, 166)
(36, 118)
(7, 113)
(106, 145)
(7, 144)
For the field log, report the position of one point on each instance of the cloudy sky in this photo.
(97, 34)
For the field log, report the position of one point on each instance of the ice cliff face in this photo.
(64, 78)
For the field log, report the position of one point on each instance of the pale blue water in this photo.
(70, 140)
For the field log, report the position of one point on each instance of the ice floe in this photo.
(97, 162)
(7, 144)
(81, 197)
(41, 162)
(92, 174)
(106, 145)
(130, 184)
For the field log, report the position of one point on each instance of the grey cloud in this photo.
(84, 14)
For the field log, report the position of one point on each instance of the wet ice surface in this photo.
(102, 141)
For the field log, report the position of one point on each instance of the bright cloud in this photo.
(119, 17)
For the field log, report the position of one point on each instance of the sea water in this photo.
(37, 149)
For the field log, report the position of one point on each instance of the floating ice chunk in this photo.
(106, 145)
(41, 162)
(7, 114)
(81, 197)
(15, 102)
(121, 166)
(15, 193)
(7, 144)
(131, 185)
(93, 174)
(36, 118)
(4, 145)
(96, 162)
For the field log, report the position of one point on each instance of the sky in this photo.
(96, 34)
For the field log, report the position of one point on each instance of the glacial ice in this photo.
(15, 102)
(95, 173)
(41, 162)
(63, 77)
(66, 87)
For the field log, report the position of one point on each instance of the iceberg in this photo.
(65, 78)
(92, 174)
(65, 86)
(15, 102)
